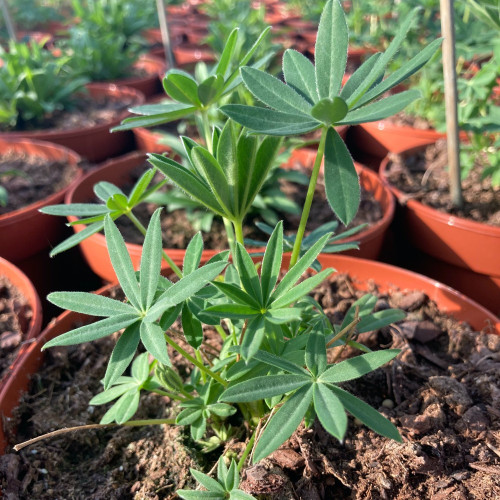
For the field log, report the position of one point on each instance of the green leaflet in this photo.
(273, 92)
(331, 50)
(341, 179)
(300, 74)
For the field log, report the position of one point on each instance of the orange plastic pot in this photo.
(30, 361)
(116, 171)
(26, 231)
(150, 84)
(94, 143)
(464, 244)
(381, 137)
(20, 281)
(371, 239)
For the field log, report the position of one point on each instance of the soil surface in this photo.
(423, 176)
(178, 230)
(403, 119)
(15, 317)
(442, 392)
(84, 112)
(29, 179)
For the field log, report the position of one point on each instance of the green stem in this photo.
(199, 358)
(137, 223)
(171, 395)
(195, 362)
(309, 198)
(238, 230)
(247, 451)
(230, 234)
(221, 332)
(206, 131)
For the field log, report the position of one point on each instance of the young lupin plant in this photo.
(270, 370)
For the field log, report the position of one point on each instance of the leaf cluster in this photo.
(34, 84)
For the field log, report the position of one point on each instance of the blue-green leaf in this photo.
(122, 354)
(151, 260)
(192, 257)
(191, 326)
(269, 121)
(271, 263)
(263, 387)
(254, 335)
(153, 339)
(93, 331)
(181, 86)
(300, 74)
(248, 273)
(358, 77)
(315, 355)
(368, 415)
(331, 50)
(89, 303)
(330, 411)
(227, 53)
(210, 88)
(358, 366)
(122, 264)
(341, 179)
(273, 92)
(284, 423)
(330, 111)
(381, 109)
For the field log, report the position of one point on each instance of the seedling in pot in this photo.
(265, 369)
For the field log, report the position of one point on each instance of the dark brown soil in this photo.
(28, 178)
(423, 176)
(442, 392)
(15, 317)
(85, 112)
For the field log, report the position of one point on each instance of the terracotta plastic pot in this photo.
(150, 84)
(26, 231)
(94, 143)
(379, 138)
(30, 361)
(464, 244)
(362, 271)
(371, 239)
(20, 281)
(94, 248)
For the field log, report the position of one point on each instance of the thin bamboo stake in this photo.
(8, 21)
(450, 92)
(165, 37)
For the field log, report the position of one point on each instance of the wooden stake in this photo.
(8, 21)
(450, 92)
(165, 37)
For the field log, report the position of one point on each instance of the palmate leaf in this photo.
(271, 263)
(254, 335)
(284, 423)
(358, 77)
(331, 50)
(274, 93)
(122, 263)
(210, 89)
(227, 53)
(299, 74)
(264, 387)
(89, 303)
(269, 121)
(330, 411)
(192, 257)
(93, 331)
(123, 409)
(368, 415)
(122, 354)
(381, 109)
(151, 260)
(357, 367)
(341, 178)
(153, 339)
(76, 209)
(192, 328)
(77, 238)
(247, 272)
(187, 181)
(181, 86)
(315, 355)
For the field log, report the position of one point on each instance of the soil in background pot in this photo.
(441, 392)
(15, 317)
(28, 178)
(423, 176)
